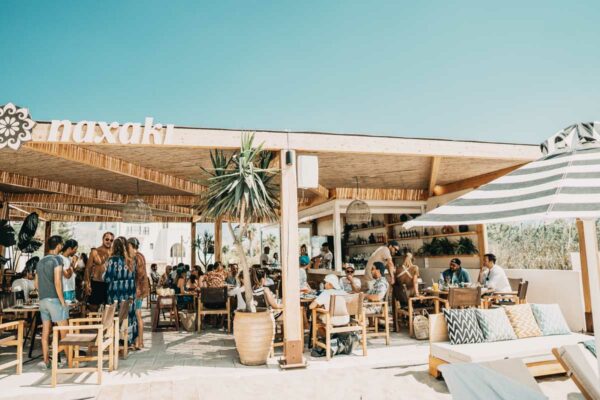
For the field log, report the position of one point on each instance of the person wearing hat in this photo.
(332, 288)
(350, 283)
(456, 274)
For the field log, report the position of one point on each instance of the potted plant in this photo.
(241, 187)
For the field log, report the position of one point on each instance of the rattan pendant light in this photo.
(136, 211)
(358, 212)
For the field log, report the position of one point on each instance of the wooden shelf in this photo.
(444, 256)
(436, 236)
(396, 224)
(372, 228)
(365, 245)
(452, 256)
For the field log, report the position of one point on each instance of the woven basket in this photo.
(421, 327)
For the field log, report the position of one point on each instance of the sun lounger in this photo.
(583, 368)
(497, 380)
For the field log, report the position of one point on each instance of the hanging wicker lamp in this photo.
(137, 211)
(358, 212)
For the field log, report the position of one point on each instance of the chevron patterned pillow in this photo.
(550, 319)
(522, 320)
(463, 326)
(495, 325)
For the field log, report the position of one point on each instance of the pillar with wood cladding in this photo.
(292, 321)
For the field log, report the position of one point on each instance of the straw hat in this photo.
(333, 280)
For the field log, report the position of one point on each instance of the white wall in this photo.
(545, 286)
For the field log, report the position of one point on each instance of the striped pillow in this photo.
(463, 326)
(522, 320)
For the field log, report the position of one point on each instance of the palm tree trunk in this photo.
(248, 296)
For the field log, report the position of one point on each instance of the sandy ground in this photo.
(180, 365)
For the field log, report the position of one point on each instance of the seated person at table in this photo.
(349, 283)
(456, 274)
(304, 286)
(379, 288)
(268, 280)
(231, 277)
(259, 289)
(332, 288)
(192, 284)
(493, 276)
(180, 288)
(24, 284)
(165, 280)
(213, 278)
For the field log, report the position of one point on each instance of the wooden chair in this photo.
(99, 336)
(463, 298)
(409, 307)
(10, 338)
(211, 298)
(123, 327)
(323, 319)
(169, 304)
(514, 283)
(499, 299)
(376, 316)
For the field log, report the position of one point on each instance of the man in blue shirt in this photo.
(456, 274)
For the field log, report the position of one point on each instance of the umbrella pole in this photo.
(593, 264)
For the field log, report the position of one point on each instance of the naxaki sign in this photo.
(113, 133)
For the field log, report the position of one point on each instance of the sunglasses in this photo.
(349, 271)
(109, 240)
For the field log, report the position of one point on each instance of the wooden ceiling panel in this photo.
(33, 164)
(457, 169)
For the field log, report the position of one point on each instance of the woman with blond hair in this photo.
(407, 274)
(120, 280)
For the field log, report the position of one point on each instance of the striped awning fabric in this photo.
(563, 184)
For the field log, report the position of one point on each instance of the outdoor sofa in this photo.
(535, 352)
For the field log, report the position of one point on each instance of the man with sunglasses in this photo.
(95, 287)
(349, 283)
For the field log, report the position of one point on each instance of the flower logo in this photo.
(15, 126)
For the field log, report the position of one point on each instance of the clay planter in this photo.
(253, 333)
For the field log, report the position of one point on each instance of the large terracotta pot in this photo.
(253, 333)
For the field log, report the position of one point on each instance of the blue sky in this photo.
(509, 71)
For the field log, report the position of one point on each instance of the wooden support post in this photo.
(193, 235)
(4, 214)
(47, 234)
(482, 241)
(218, 239)
(337, 236)
(292, 321)
(585, 281)
(593, 268)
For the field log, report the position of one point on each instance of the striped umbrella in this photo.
(564, 183)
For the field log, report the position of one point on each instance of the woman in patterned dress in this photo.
(120, 279)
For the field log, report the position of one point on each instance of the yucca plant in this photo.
(241, 187)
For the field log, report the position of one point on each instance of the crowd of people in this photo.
(114, 272)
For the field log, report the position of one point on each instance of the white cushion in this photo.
(529, 349)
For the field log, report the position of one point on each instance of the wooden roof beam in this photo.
(24, 198)
(321, 191)
(474, 182)
(433, 174)
(115, 165)
(46, 185)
